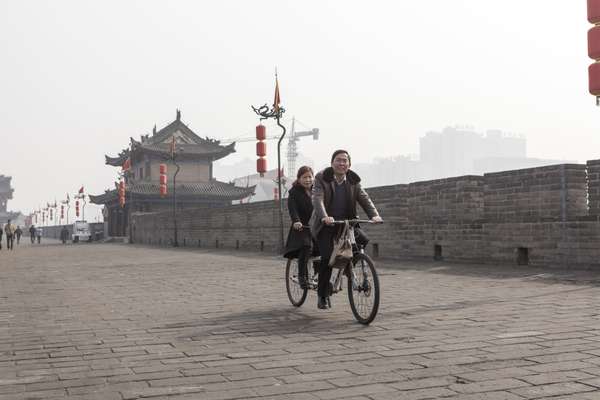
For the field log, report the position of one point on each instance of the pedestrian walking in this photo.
(18, 233)
(32, 233)
(9, 231)
(64, 234)
(38, 234)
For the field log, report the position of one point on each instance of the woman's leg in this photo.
(303, 256)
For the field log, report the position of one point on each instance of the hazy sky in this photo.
(78, 78)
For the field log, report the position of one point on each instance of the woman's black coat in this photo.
(300, 209)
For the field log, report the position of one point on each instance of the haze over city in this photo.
(80, 78)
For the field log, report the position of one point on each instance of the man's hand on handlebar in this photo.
(377, 220)
(327, 220)
(298, 226)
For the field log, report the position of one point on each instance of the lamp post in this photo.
(276, 112)
(175, 242)
(173, 158)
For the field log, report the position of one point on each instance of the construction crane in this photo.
(292, 147)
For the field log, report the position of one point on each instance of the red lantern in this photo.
(594, 79)
(77, 208)
(261, 132)
(261, 166)
(163, 179)
(62, 212)
(50, 214)
(593, 11)
(122, 194)
(594, 43)
(261, 149)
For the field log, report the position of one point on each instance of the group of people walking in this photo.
(12, 233)
(314, 203)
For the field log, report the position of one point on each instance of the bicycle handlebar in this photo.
(350, 221)
(356, 221)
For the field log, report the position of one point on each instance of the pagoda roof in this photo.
(213, 190)
(187, 142)
(118, 160)
(185, 150)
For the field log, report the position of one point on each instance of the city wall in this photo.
(546, 216)
(53, 232)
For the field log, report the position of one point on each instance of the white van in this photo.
(81, 232)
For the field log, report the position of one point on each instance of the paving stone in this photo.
(553, 389)
(110, 321)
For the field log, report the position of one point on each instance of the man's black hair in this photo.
(335, 153)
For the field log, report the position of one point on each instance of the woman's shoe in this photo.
(302, 280)
(322, 303)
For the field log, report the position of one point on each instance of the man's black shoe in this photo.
(322, 303)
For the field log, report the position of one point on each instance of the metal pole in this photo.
(175, 242)
(83, 208)
(279, 192)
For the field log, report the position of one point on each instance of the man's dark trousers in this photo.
(325, 244)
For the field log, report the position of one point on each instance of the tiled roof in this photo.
(159, 144)
(212, 150)
(118, 160)
(213, 190)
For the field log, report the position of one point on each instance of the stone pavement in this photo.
(109, 321)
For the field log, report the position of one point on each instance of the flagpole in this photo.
(276, 112)
(279, 192)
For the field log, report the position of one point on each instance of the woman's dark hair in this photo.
(335, 153)
(301, 171)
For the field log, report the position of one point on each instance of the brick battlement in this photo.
(537, 216)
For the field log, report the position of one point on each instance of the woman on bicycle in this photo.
(335, 193)
(299, 242)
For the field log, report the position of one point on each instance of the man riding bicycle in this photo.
(335, 192)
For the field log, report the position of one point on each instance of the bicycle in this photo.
(363, 282)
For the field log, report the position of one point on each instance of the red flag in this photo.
(277, 99)
(81, 190)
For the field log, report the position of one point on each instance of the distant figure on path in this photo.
(64, 234)
(38, 233)
(18, 233)
(32, 233)
(9, 230)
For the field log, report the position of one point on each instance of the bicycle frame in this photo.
(337, 282)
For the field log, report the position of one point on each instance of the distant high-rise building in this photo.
(454, 151)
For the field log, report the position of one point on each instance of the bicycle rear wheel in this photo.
(363, 289)
(296, 294)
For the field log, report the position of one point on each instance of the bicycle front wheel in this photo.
(363, 289)
(295, 292)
